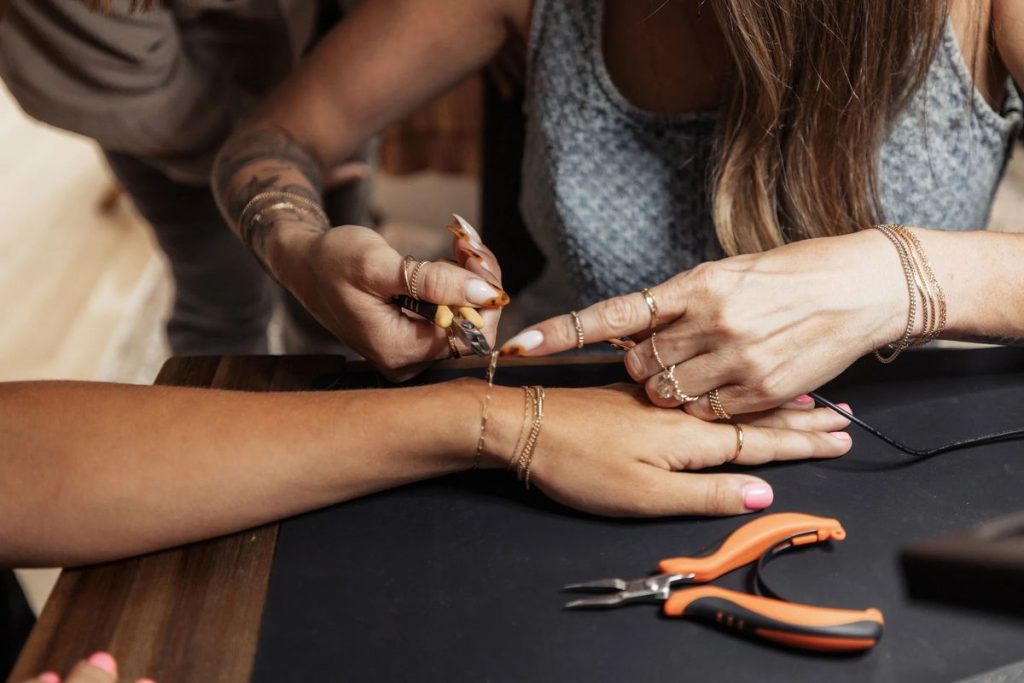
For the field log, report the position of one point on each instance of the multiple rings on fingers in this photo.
(716, 405)
(739, 442)
(580, 339)
(668, 387)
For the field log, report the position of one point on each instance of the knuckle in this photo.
(716, 497)
(438, 283)
(617, 314)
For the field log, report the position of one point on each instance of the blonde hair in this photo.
(817, 85)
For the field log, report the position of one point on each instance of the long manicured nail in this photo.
(842, 436)
(474, 236)
(803, 400)
(484, 265)
(104, 661)
(480, 293)
(846, 407)
(757, 496)
(522, 342)
(48, 677)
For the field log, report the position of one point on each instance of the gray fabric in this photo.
(166, 85)
(617, 197)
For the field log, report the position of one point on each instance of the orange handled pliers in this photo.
(788, 623)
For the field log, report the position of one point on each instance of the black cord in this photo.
(1011, 435)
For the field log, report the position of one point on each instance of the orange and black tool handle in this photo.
(787, 623)
(752, 540)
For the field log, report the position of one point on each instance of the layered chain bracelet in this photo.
(923, 288)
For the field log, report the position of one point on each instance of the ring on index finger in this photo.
(652, 306)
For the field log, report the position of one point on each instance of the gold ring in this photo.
(414, 283)
(579, 329)
(668, 387)
(451, 343)
(406, 262)
(652, 306)
(716, 405)
(739, 442)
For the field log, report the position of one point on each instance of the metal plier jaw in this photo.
(654, 588)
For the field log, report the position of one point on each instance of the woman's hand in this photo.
(762, 328)
(99, 668)
(347, 277)
(608, 451)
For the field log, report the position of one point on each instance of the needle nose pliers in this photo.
(792, 624)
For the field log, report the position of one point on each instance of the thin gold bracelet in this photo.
(525, 460)
(483, 414)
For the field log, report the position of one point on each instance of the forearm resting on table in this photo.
(91, 472)
(982, 277)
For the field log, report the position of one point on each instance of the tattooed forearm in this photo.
(260, 161)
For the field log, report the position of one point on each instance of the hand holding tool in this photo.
(796, 625)
(464, 321)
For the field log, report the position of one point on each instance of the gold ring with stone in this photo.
(739, 442)
(580, 340)
(716, 405)
(668, 387)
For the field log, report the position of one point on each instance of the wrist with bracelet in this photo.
(923, 289)
(266, 207)
(529, 432)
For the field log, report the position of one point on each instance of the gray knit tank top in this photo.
(617, 197)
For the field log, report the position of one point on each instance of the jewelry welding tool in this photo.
(755, 615)
(464, 321)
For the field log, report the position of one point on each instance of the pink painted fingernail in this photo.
(846, 407)
(522, 342)
(803, 400)
(757, 496)
(145, 680)
(48, 677)
(104, 661)
(842, 436)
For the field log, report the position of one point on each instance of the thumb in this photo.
(99, 668)
(688, 493)
(446, 283)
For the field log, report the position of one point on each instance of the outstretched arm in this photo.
(91, 472)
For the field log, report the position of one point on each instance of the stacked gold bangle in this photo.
(923, 289)
(266, 205)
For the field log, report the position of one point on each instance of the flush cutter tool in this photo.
(464, 321)
(759, 615)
